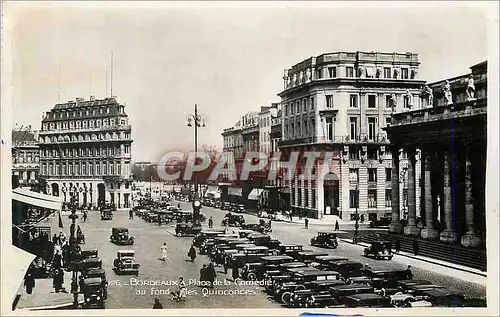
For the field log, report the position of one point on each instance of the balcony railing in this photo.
(379, 138)
(120, 127)
(86, 141)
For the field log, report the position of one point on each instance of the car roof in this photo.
(331, 257)
(319, 273)
(352, 286)
(332, 282)
(92, 260)
(120, 228)
(258, 235)
(258, 248)
(414, 282)
(276, 257)
(96, 271)
(125, 251)
(239, 241)
(348, 263)
(328, 232)
(92, 280)
(293, 264)
(290, 245)
(319, 253)
(363, 296)
(246, 245)
(437, 292)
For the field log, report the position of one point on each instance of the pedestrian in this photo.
(159, 220)
(211, 274)
(29, 283)
(336, 225)
(306, 222)
(58, 280)
(291, 216)
(164, 252)
(84, 216)
(131, 216)
(203, 273)
(157, 304)
(226, 264)
(409, 273)
(55, 239)
(210, 222)
(397, 245)
(236, 270)
(182, 291)
(415, 246)
(179, 205)
(192, 253)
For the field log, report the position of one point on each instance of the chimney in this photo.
(92, 98)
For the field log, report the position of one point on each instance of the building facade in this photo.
(339, 103)
(25, 156)
(450, 133)
(85, 152)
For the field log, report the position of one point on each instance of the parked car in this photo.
(125, 263)
(382, 222)
(290, 249)
(306, 298)
(385, 278)
(327, 261)
(100, 273)
(309, 256)
(233, 220)
(120, 236)
(93, 293)
(106, 214)
(257, 271)
(204, 235)
(183, 229)
(303, 280)
(325, 240)
(379, 250)
(367, 300)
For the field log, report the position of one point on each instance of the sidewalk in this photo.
(461, 272)
(44, 297)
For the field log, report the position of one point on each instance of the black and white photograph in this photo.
(260, 157)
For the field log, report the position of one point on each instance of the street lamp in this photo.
(197, 121)
(356, 225)
(73, 244)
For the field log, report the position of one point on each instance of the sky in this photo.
(227, 58)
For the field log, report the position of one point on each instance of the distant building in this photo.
(339, 102)
(25, 156)
(85, 151)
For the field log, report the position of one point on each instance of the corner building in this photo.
(339, 102)
(85, 151)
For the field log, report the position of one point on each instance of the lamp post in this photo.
(73, 245)
(356, 225)
(197, 121)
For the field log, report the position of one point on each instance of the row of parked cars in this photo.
(300, 278)
(232, 207)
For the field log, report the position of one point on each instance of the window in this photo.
(372, 154)
(354, 175)
(388, 101)
(320, 73)
(388, 197)
(312, 103)
(388, 174)
(297, 105)
(329, 128)
(353, 101)
(118, 168)
(372, 101)
(353, 198)
(127, 149)
(372, 198)
(353, 128)
(123, 122)
(97, 169)
(388, 121)
(70, 169)
(404, 73)
(405, 103)
(387, 72)
(332, 72)
(371, 128)
(372, 174)
(291, 108)
(112, 168)
(349, 71)
(304, 109)
(329, 101)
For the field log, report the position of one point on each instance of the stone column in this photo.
(470, 239)
(428, 232)
(396, 225)
(448, 235)
(411, 228)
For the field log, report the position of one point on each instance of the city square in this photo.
(347, 178)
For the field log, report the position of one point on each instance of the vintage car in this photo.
(86, 264)
(204, 235)
(257, 271)
(259, 239)
(243, 233)
(367, 300)
(225, 206)
(239, 208)
(348, 269)
(304, 298)
(125, 263)
(233, 220)
(242, 247)
(218, 204)
(442, 297)
(309, 256)
(140, 211)
(106, 214)
(302, 279)
(407, 286)
(184, 229)
(234, 242)
(290, 249)
(275, 282)
(100, 273)
(326, 261)
(87, 254)
(341, 291)
(120, 236)
(382, 222)
(207, 246)
(249, 255)
(385, 278)
(93, 293)
(379, 250)
(325, 240)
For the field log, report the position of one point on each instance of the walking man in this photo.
(397, 245)
(85, 216)
(131, 216)
(164, 252)
(210, 222)
(415, 246)
(409, 273)
(306, 222)
(336, 225)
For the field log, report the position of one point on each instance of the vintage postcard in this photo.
(249, 158)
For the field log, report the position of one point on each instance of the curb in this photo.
(59, 306)
(428, 260)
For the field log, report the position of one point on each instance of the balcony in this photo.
(124, 140)
(123, 127)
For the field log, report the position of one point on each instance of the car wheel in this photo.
(300, 288)
(390, 257)
(285, 297)
(252, 276)
(178, 234)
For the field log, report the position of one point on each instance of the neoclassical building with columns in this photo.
(450, 134)
(85, 151)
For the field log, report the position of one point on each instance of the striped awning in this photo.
(37, 199)
(235, 191)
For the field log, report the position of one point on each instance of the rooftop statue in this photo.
(447, 93)
(471, 89)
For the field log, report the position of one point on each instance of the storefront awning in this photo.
(255, 194)
(235, 191)
(16, 271)
(37, 199)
